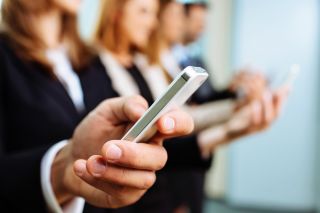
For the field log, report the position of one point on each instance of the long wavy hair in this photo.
(19, 25)
(109, 31)
(153, 50)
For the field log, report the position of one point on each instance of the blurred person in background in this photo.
(180, 25)
(49, 82)
(125, 34)
(122, 35)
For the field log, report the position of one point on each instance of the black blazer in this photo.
(35, 113)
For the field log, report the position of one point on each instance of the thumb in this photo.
(121, 110)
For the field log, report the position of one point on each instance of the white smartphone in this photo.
(286, 78)
(178, 92)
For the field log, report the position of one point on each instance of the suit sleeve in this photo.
(184, 154)
(20, 172)
(207, 93)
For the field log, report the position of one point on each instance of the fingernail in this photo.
(80, 168)
(98, 168)
(169, 123)
(113, 152)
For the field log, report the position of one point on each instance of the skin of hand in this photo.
(251, 118)
(249, 82)
(107, 172)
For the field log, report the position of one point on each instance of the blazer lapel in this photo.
(58, 96)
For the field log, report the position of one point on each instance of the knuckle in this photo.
(148, 181)
(124, 175)
(139, 98)
(118, 180)
(136, 99)
(105, 104)
(133, 154)
(120, 192)
(187, 127)
(188, 124)
(163, 157)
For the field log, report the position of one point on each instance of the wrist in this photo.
(238, 125)
(209, 139)
(60, 172)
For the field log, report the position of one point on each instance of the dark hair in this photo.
(188, 6)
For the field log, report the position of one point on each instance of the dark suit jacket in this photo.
(35, 113)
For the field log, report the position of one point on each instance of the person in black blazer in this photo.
(37, 110)
(180, 25)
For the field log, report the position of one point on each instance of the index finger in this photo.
(135, 155)
(124, 109)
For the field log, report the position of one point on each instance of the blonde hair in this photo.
(19, 18)
(153, 50)
(109, 31)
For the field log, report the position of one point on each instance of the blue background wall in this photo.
(277, 169)
(88, 17)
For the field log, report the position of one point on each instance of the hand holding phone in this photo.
(178, 92)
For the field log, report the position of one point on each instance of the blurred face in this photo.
(173, 22)
(139, 21)
(68, 6)
(196, 20)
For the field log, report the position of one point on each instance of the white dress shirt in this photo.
(124, 83)
(66, 75)
(71, 82)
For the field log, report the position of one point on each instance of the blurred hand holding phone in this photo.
(252, 82)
